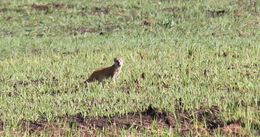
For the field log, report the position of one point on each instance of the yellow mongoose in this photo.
(108, 72)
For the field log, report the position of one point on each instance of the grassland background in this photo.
(184, 47)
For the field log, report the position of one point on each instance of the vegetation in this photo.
(193, 64)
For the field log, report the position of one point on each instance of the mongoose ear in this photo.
(115, 59)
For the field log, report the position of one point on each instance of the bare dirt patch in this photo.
(233, 128)
(88, 125)
(163, 119)
(137, 120)
(211, 117)
(147, 119)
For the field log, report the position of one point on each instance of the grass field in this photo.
(192, 68)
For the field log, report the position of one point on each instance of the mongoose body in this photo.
(108, 72)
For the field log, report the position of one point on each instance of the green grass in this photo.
(204, 60)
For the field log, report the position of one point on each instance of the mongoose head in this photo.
(118, 62)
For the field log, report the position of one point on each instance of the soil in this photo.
(147, 119)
